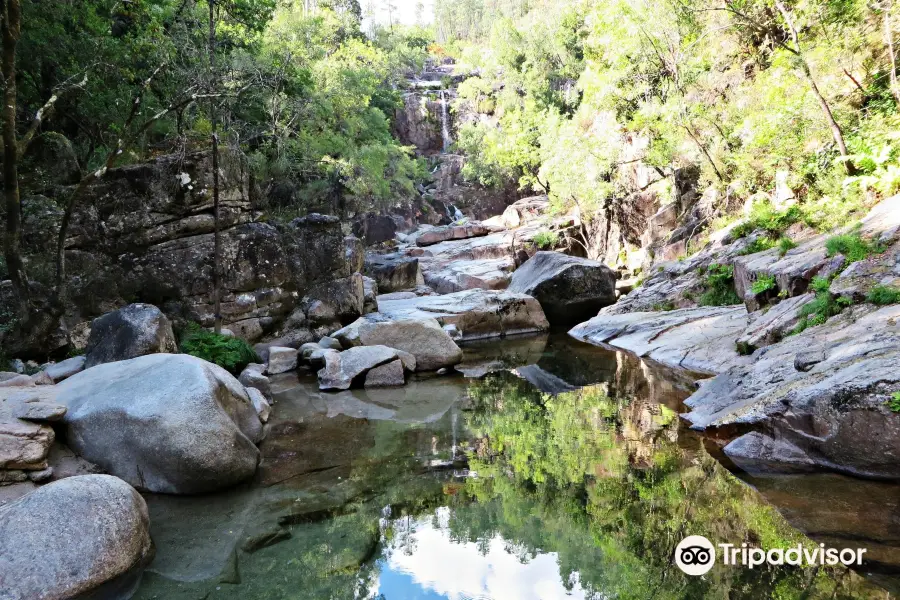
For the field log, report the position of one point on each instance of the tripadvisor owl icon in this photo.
(695, 555)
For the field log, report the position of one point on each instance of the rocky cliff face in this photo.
(145, 233)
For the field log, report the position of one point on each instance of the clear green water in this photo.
(553, 470)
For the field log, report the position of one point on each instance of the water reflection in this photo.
(563, 471)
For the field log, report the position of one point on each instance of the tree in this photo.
(214, 137)
(11, 16)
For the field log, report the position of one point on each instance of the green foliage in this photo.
(764, 216)
(852, 246)
(232, 354)
(760, 244)
(822, 308)
(545, 240)
(719, 284)
(894, 402)
(764, 283)
(882, 295)
(785, 245)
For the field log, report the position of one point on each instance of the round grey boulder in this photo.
(132, 331)
(72, 537)
(165, 423)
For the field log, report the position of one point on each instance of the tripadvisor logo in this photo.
(696, 555)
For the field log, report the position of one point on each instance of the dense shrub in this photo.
(719, 285)
(822, 308)
(852, 246)
(232, 354)
(883, 295)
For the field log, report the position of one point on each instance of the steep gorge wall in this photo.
(145, 233)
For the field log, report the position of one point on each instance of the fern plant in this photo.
(232, 354)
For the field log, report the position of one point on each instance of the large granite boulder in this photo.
(423, 338)
(79, 536)
(828, 410)
(335, 303)
(132, 331)
(570, 289)
(477, 314)
(165, 423)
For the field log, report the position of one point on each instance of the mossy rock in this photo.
(51, 160)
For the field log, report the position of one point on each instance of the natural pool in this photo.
(551, 469)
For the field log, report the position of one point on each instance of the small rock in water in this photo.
(254, 379)
(281, 360)
(443, 371)
(307, 350)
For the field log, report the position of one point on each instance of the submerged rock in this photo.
(570, 289)
(164, 423)
(71, 538)
(425, 339)
(132, 331)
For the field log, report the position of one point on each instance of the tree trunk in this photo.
(213, 118)
(889, 40)
(836, 131)
(11, 24)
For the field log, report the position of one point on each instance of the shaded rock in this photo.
(389, 375)
(772, 326)
(478, 314)
(756, 452)
(65, 368)
(35, 410)
(375, 229)
(132, 331)
(253, 378)
(805, 361)
(355, 253)
(836, 411)
(394, 272)
(698, 339)
(425, 339)
(570, 289)
(281, 360)
(451, 232)
(164, 423)
(260, 404)
(51, 159)
(329, 343)
(370, 295)
(342, 368)
(264, 540)
(102, 534)
(306, 350)
(338, 301)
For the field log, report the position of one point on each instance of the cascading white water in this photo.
(445, 121)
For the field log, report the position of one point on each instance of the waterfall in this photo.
(445, 121)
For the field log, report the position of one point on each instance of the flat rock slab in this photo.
(831, 406)
(451, 232)
(771, 326)
(697, 339)
(65, 368)
(25, 436)
(477, 314)
(460, 275)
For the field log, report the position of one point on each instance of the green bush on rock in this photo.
(883, 295)
(822, 308)
(852, 246)
(232, 354)
(719, 287)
